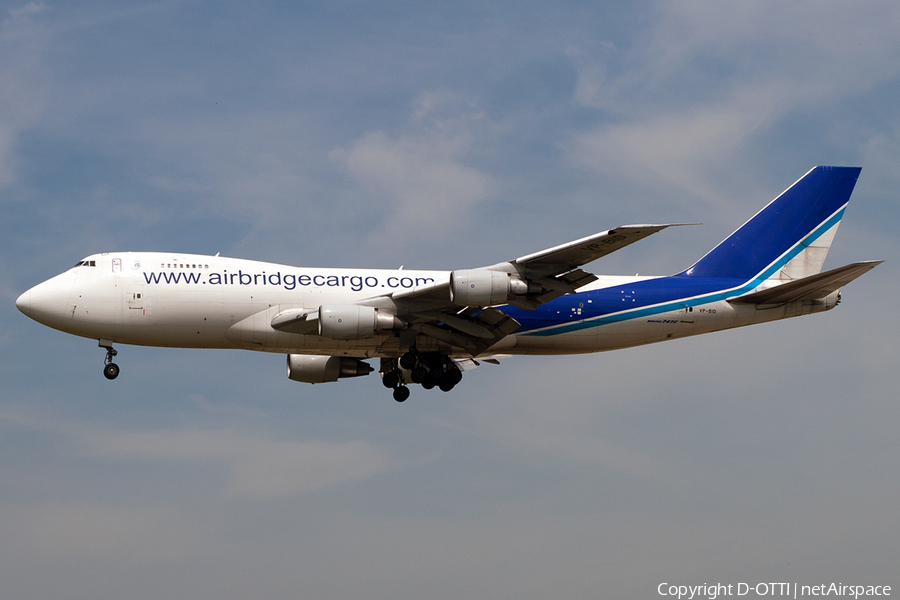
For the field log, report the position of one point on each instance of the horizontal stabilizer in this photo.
(809, 288)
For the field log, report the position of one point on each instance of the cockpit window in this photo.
(86, 263)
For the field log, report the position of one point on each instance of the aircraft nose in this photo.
(23, 303)
(46, 302)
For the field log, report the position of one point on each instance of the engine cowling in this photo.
(352, 322)
(480, 287)
(322, 369)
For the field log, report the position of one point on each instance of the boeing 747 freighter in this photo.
(427, 327)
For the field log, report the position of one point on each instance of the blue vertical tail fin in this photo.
(789, 238)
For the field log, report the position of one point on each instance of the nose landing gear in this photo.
(110, 369)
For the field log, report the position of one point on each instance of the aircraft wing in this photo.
(473, 329)
(554, 269)
(566, 257)
(450, 312)
(460, 311)
(557, 270)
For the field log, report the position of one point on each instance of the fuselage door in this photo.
(134, 295)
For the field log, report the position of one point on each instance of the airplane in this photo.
(427, 327)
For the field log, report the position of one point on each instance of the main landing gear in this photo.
(430, 370)
(394, 379)
(110, 369)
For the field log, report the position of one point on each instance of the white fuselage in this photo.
(194, 301)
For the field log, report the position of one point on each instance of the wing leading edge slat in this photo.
(571, 255)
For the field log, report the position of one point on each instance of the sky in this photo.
(444, 135)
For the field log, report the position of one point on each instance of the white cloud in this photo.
(673, 152)
(420, 178)
(22, 14)
(690, 95)
(23, 87)
(268, 169)
(880, 150)
(88, 532)
(257, 466)
(241, 165)
(555, 409)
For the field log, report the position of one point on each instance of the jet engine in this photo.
(480, 287)
(322, 369)
(352, 322)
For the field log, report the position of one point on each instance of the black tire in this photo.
(419, 374)
(449, 380)
(391, 379)
(401, 393)
(408, 360)
(111, 371)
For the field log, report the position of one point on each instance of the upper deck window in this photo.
(182, 266)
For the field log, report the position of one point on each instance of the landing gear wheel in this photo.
(409, 360)
(419, 374)
(449, 379)
(401, 393)
(111, 371)
(391, 379)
